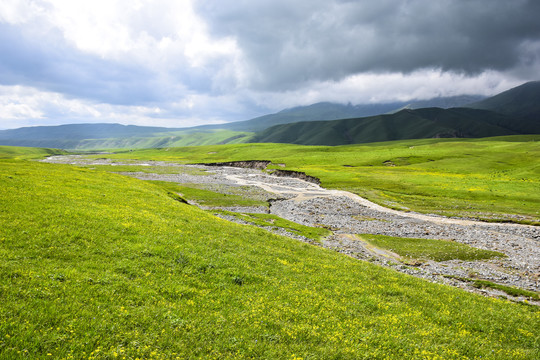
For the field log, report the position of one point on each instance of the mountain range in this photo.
(516, 111)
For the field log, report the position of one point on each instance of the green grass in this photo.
(507, 289)
(17, 152)
(172, 138)
(208, 197)
(152, 169)
(430, 249)
(510, 290)
(95, 265)
(270, 220)
(494, 179)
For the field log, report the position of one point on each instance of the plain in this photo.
(97, 265)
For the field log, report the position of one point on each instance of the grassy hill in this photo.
(99, 266)
(17, 152)
(115, 136)
(314, 112)
(522, 101)
(405, 124)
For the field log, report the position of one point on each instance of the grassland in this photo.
(207, 197)
(273, 221)
(18, 152)
(494, 179)
(173, 138)
(429, 249)
(95, 265)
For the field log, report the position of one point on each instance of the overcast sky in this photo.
(180, 63)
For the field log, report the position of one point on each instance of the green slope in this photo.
(314, 112)
(97, 139)
(16, 152)
(405, 124)
(99, 266)
(172, 139)
(522, 101)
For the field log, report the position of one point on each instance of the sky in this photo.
(182, 63)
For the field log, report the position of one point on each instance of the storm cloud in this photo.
(288, 43)
(184, 63)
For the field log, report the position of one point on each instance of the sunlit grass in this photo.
(430, 249)
(18, 152)
(495, 179)
(205, 197)
(101, 266)
(273, 221)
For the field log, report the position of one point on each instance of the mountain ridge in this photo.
(515, 111)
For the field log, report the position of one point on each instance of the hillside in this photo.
(522, 101)
(318, 111)
(113, 136)
(405, 124)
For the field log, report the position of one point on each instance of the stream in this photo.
(347, 215)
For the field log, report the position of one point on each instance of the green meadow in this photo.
(493, 179)
(95, 265)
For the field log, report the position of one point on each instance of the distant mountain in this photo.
(522, 101)
(334, 111)
(318, 111)
(516, 111)
(81, 131)
(405, 124)
(444, 102)
(109, 136)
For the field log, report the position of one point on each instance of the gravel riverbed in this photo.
(347, 214)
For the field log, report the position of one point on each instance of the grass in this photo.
(96, 265)
(510, 290)
(172, 138)
(430, 249)
(18, 152)
(207, 197)
(494, 179)
(507, 289)
(148, 169)
(273, 221)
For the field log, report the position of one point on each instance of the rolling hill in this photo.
(405, 124)
(521, 101)
(314, 112)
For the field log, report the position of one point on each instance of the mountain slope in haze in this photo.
(334, 111)
(314, 112)
(81, 131)
(103, 136)
(405, 124)
(521, 101)
(444, 102)
(115, 136)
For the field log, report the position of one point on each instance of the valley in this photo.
(139, 254)
(514, 261)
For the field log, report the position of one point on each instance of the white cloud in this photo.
(25, 106)
(390, 87)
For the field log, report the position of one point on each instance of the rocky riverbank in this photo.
(346, 214)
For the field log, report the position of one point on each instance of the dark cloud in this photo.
(290, 43)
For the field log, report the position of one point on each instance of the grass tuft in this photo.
(430, 249)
